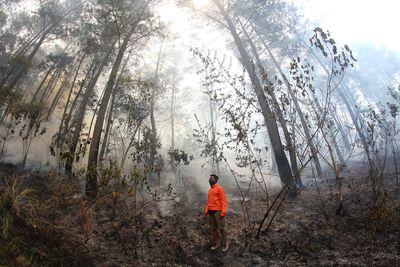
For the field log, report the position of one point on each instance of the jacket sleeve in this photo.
(223, 201)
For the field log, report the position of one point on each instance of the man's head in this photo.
(213, 179)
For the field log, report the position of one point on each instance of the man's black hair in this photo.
(215, 177)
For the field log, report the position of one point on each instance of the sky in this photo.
(357, 20)
(349, 21)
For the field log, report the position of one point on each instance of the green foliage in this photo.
(143, 147)
(111, 175)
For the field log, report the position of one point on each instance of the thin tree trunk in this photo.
(57, 97)
(42, 83)
(63, 117)
(60, 137)
(153, 141)
(108, 128)
(343, 134)
(172, 112)
(91, 71)
(215, 161)
(125, 154)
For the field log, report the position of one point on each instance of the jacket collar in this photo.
(214, 185)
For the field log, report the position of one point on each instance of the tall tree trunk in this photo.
(80, 114)
(60, 138)
(284, 169)
(172, 112)
(313, 149)
(91, 176)
(49, 89)
(107, 132)
(153, 141)
(42, 83)
(288, 136)
(90, 72)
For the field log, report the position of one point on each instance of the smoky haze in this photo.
(254, 91)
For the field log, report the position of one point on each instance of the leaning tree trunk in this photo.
(33, 99)
(91, 176)
(284, 168)
(107, 132)
(18, 74)
(288, 136)
(60, 137)
(343, 134)
(80, 115)
(59, 93)
(313, 149)
(90, 71)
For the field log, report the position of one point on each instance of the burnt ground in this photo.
(54, 226)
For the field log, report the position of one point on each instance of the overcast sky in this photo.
(358, 20)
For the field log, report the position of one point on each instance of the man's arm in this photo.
(223, 201)
(206, 208)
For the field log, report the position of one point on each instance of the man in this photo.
(216, 210)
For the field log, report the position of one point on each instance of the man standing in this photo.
(216, 210)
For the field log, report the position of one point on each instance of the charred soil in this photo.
(51, 224)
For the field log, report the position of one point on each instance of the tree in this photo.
(284, 169)
(138, 14)
(49, 21)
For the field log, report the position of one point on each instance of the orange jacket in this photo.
(216, 199)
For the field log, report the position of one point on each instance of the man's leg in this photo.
(214, 231)
(222, 231)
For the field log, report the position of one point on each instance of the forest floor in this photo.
(54, 226)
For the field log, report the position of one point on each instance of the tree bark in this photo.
(107, 132)
(91, 176)
(81, 114)
(288, 136)
(284, 169)
(153, 141)
(63, 117)
(313, 149)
